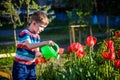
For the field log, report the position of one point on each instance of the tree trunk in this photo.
(99, 26)
(15, 39)
(107, 27)
(14, 25)
(27, 12)
(90, 29)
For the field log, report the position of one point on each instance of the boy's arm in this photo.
(36, 45)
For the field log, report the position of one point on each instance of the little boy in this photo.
(28, 48)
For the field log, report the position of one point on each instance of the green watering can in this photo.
(49, 52)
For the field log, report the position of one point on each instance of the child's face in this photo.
(39, 27)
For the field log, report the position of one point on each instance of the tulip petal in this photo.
(117, 63)
(91, 41)
(61, 50)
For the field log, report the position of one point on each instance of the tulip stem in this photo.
(81, 69)
(109, 68)
(106, 68)
(75, 56)
(91, 59)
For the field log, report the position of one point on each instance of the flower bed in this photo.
(82, 62)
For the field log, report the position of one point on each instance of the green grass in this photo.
(2, 78)
(63, 30)
(55, 23)
(3, 39)
(6, 64)
(7, 49)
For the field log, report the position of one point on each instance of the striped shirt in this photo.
(24, 54)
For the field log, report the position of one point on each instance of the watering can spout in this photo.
(58, 57)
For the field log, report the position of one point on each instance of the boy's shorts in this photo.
(23, 72)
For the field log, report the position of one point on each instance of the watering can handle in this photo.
(57, 47)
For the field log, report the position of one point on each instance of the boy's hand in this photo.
(38, 54)
(50, 42)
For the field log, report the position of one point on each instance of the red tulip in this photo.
(81, 48)
(77, 48)
(108, 56)
(40, 60)
(110, 45)
(117, 63)
(105, 55)
(91, 41)
(111, 56)
(74, 47)
(117, 34)
(37, 61)
(80, 54)
(119, 53)
(61, 50)
(69, 49)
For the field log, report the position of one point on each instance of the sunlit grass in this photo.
(6, 49)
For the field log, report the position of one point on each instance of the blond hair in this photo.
(40, 17)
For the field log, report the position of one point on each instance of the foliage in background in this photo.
(80, 12)
(10, 8)
(25, 8)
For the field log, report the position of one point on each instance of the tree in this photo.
(83, 9)
(12, 15)
(108, 8)
(96, 11)
(29, 6)
(9, 7)
(26, 5)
